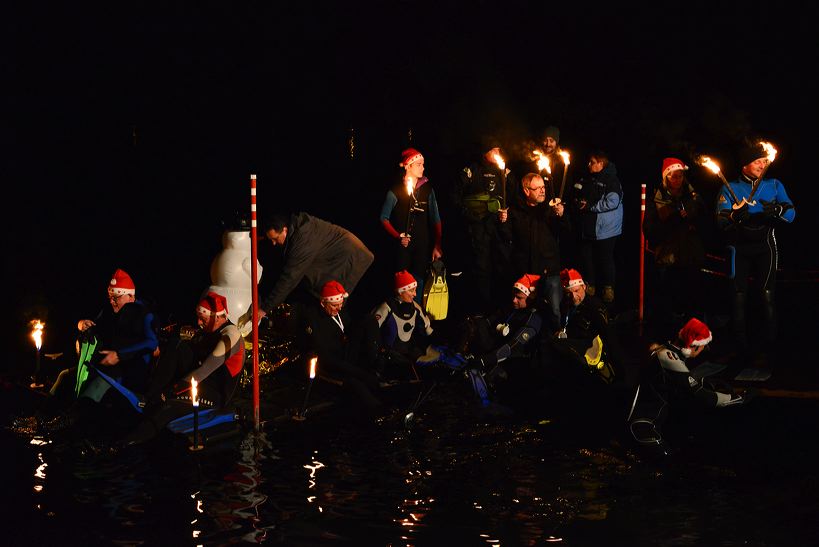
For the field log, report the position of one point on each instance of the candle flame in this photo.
(565, 156)
(769, 150)
(37, 327)
(708, 163)
(410, 185)
(499, 160)
(313, 367)
(194, 392)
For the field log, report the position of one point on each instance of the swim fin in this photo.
(436, 292)
(87, 348)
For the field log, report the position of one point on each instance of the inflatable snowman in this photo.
(230, 273)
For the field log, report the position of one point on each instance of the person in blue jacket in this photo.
(598, 202)
(748, 225)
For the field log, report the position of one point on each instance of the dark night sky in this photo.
(134, 131)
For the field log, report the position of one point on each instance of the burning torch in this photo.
(544, 167)
(195, 403)
(770, 151)
(559, 199)
(410, 183)
(708, 163)
(502, 166)
(565, 156)
(301, 415)
(37, 327)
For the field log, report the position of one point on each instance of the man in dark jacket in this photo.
(315, 251)
(533, 228)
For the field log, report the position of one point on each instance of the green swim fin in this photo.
(436, 292)
(89, 345)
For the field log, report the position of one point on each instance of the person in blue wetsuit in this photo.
(749, 227)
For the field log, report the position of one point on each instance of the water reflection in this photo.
(457, 478)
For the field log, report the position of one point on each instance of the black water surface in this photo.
(743, 476)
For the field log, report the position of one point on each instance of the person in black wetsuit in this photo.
(412, 219)
(213, 358)
(329, 333)
(668, 383)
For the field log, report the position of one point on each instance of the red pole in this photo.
(642, 255)
(254, 274)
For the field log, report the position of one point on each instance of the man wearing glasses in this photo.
(126, 339)
(534, 228)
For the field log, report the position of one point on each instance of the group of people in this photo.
(550, 245)
(125, 355)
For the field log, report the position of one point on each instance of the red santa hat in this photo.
(694, 333)
(121, 283)
(673, 164)
(526, 284)
(571, 278)
(213, 303)
(333, 292)
(404, 281)
(410, 156)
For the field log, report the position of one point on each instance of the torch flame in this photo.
(769, 150)
(194, 392)
(565, 156)
(313, 367)
(499, 161)
(410, 185)
(37, 327)
(708, 163)
(542, 161)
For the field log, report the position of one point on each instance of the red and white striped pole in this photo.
(254, 275)
(642, 255)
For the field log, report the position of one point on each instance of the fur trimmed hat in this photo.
(571, 278)
(673, 164)
(527, 284)
(404, 281)
(332, 291)
(410, 156)
(121, 283)
(213, 303)
(694, 333)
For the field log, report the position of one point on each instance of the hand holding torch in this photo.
(708, 163)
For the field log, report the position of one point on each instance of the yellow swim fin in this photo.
(436, 292)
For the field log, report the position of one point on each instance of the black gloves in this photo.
(741, 214)
(771, 209)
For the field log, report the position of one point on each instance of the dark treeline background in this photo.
(134, 129)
